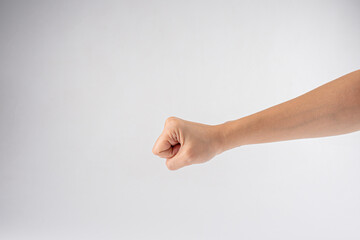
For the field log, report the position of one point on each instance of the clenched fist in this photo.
(183, 143)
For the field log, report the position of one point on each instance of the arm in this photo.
(331, 109)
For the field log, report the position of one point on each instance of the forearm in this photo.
(331, 109)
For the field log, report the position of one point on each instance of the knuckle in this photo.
(171, 121)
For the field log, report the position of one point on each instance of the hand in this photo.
(183, 143)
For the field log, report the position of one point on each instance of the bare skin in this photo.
(331, 109)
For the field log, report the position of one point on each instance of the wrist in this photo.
(222, 137)
(231, 134)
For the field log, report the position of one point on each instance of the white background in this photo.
(85, 88)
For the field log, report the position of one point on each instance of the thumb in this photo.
(178, 161)
(165, 146)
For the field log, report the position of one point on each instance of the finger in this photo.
(176, 162)
(176, 149)
(171, 152)
(163, 146)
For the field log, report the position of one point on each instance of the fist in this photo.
(183, 143)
